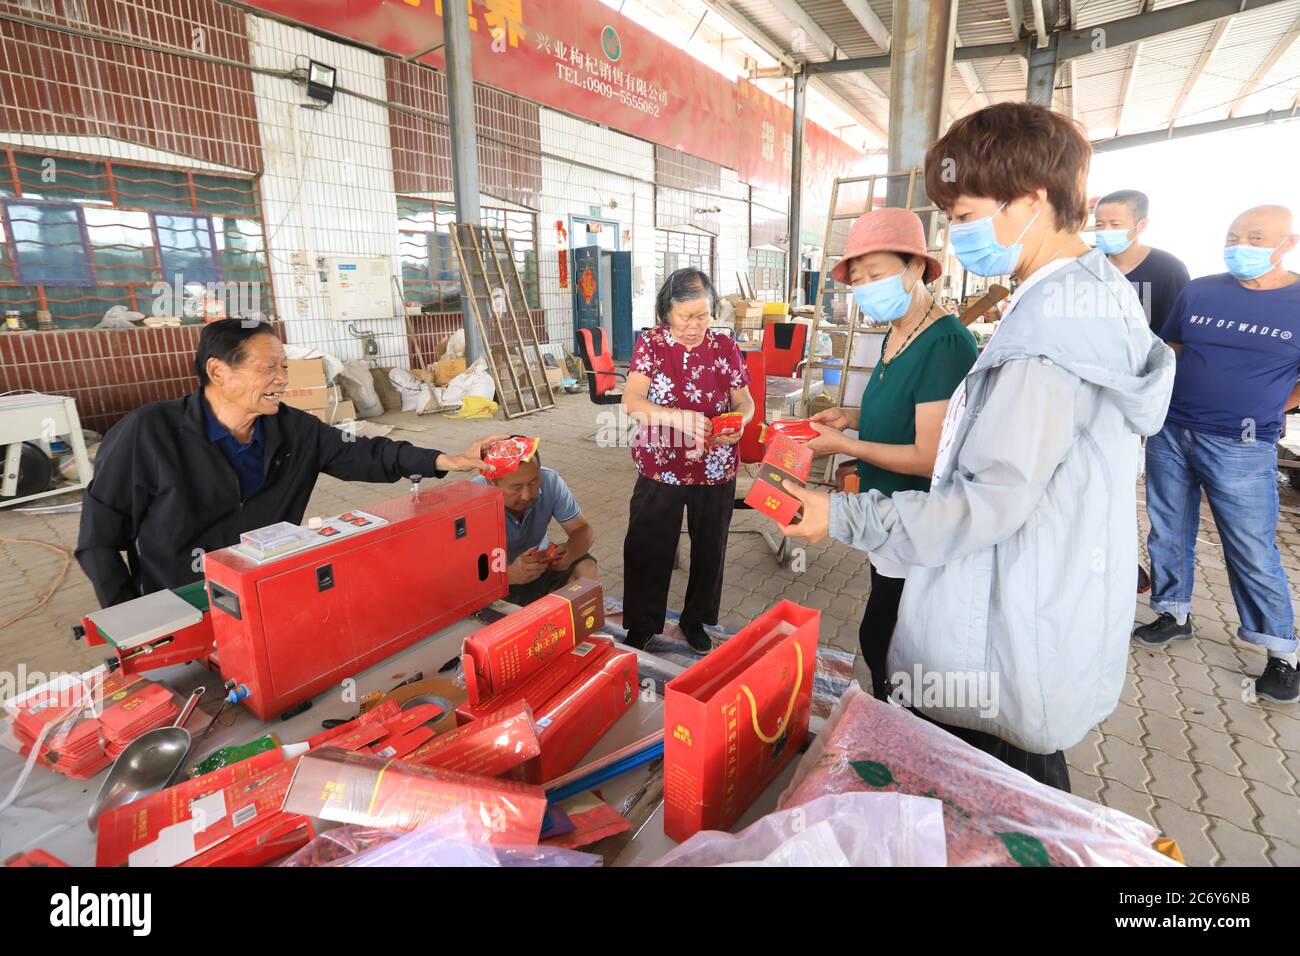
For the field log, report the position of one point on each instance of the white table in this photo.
(51, 811)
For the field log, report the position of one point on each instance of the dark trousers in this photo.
(653, 529)
(878, 620)
(1049, 769)
(875, 633)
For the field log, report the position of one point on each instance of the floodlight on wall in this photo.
(320, 81)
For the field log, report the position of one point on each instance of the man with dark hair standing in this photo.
(1156, 275)
(178, 478)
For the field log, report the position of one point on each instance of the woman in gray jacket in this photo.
(1014, 624)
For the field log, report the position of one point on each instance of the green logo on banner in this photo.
(611, 44)
(875, 774)
(1024, 849)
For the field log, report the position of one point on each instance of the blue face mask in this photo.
(1113, 241)
(1248, 262)
(884, 300)
(977, 248)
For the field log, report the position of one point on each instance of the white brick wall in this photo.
(328, 185)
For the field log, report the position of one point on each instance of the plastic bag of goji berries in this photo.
(993, 815)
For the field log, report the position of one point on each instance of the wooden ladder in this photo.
(837, 231)
(496, 295)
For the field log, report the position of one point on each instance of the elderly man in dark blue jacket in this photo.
(178, 478)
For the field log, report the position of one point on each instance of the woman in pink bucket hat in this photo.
(925, 355)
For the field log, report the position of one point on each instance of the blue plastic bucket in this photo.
(831, 375)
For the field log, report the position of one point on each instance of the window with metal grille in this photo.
(430, 272)
(767, 274)
(679, 250)
(82, 235)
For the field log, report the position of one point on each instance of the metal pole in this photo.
(795, 260)
(464, 144)
(1042, 72)
(922, 52)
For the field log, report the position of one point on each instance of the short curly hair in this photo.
(1008, 150)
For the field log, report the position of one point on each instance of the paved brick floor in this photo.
(1183, 749)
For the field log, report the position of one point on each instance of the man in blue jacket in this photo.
(1237, 335)
(179, 478)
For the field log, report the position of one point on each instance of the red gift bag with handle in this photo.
(733, 720)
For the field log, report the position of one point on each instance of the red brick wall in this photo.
(509, 137)
(57, 83)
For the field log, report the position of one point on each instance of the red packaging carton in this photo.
(348, 787)
(501, 744)
(181, 822)
(543, 685)
(796, 429)
(573, 720)
(507, 652)
(728, 423)
(785, 460)
(733, 720)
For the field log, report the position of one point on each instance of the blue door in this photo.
(586, 292)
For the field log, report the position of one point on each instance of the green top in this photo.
(928, 370)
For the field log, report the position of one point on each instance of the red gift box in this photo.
(503, 743)
(785, 460)
(733, 720)
(728, 423)
(543, 685)
(507, 652)
(574, 719)
(184, 821)
(796, 429)
(347, 787)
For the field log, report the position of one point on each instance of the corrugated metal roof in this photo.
(1090, 87)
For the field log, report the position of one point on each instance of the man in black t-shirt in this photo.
(1157, 276)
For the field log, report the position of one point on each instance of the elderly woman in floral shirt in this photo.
(682, 375)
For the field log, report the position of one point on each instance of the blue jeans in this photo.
(1240, 480)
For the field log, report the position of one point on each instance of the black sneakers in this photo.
(1278, 682)
(1162, 630)
(696, 636)
(637, 640)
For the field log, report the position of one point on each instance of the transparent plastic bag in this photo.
(447, 841)
(993, 815)
(845, 829)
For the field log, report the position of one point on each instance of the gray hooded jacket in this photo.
(1024, 551)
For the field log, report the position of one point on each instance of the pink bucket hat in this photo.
(888, 229)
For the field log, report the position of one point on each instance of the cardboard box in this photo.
(444, 370)
(749, 314)
(538, 691)
(306, 373)
(555, 378)
(785, 460)
(347, 787)
(507, 652)
(307, 399)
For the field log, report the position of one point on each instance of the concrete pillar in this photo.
(921, 62)
(464, 142)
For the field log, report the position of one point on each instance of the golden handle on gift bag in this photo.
(789, 711)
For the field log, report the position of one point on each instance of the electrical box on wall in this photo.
(357, 287)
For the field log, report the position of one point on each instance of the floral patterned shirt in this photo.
(698, 380)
